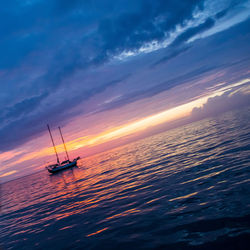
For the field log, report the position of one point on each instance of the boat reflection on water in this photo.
(64, 178)
(64, 164)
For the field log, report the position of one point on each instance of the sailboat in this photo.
(64, 164)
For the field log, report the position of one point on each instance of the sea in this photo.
(186, 188)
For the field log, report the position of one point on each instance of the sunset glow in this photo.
(124, 124)
(127, 129)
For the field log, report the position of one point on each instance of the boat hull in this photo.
(62, 167)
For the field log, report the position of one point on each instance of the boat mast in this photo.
(63, 143)
(53, 144)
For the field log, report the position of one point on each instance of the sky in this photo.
(109, 72)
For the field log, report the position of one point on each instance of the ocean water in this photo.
(187, 188)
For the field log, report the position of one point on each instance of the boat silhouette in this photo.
(53, 168)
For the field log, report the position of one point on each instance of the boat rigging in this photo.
(64, 164)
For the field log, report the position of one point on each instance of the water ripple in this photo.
(184, 188)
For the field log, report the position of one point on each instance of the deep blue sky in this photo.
(61, 60)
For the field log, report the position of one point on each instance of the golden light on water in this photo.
(97, 232)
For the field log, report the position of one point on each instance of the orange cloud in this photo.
(8, 173)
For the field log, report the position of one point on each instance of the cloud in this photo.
(26, 124)
(109, 28)
(172, 53)
(185, 36)
(158, 88)
(21, 108)
(50, 42)
(219, 104)
(129, 31)
(229, 7)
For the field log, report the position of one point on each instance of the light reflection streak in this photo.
(184, 196)
(123, 214)
(97, 232)
(206, 176)
(68, 227)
